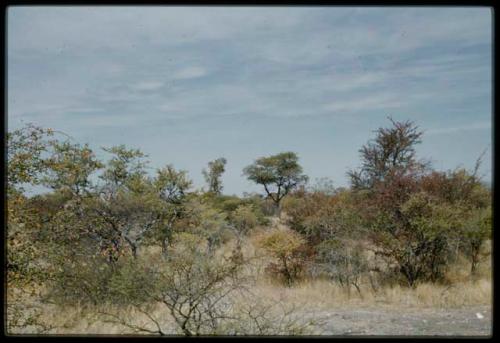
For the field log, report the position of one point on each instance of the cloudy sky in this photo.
(190, 84)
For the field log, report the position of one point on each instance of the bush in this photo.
(244, 219)
(289, 249)
(342, 262)
(192, 285)
(319, 216)
(476, 230)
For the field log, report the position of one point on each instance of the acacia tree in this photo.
(171, 187)
(134, 206)
(417, 239)
(213, 175)
(107, 217)
(279, 174)
(392, 149)
(27, 150)
(70, 167)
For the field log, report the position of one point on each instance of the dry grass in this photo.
(460, 290)
(308, 295)
(326, 295)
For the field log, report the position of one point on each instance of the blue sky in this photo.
(187, 85)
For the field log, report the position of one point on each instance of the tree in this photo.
(476, 230)
(206, 221)
(27, 150)
(463, 189)
(403, 215)
(171, 186)
(393, 148)
(417, 239)
(287, 247)
(319, 216)
(70, 166)
(125, 166)
(213, 176)
(279, 174)
(244, 219)
(109, 217)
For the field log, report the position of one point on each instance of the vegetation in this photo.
(213, 175)
(121, 243)
(279, 174)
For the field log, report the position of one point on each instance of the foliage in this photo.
(26, 155)
(125, 166)
(289, 250)
(26, 150)
(475, 231)
(213, 175)
(392, 149)
(191, 284)
(279, 174)
(70, 166)
(324, 185)
(206, 222)
(319, 216)
(342, 262)
(411, 213)
(244, 219)
(96, 241)
(229, 205)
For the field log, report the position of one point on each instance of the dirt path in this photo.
(412, 321)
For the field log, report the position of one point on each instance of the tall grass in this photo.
(308, 295)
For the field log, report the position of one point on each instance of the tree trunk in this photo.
(475, 248)
(164, 246)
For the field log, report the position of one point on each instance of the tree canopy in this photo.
(279, 174)
(213, 175)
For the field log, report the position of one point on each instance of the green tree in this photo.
(125, 166)
(27, 151)
(476, 230)
(213, 175)
(279, 174)
(171, 186)
(70, 167)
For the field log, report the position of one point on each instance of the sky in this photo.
(187, 85)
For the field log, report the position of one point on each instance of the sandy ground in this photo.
(374, 321)
(404, 322)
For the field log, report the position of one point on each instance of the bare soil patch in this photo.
(408, 321)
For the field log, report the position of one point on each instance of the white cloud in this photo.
(367, 103)
(136, 66)
(190, 73)
(148, 85)
(456, 129)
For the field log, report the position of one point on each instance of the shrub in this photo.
(476, 230)
(342, 262)
(244, 219)
(288, 248)
(192, 285)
